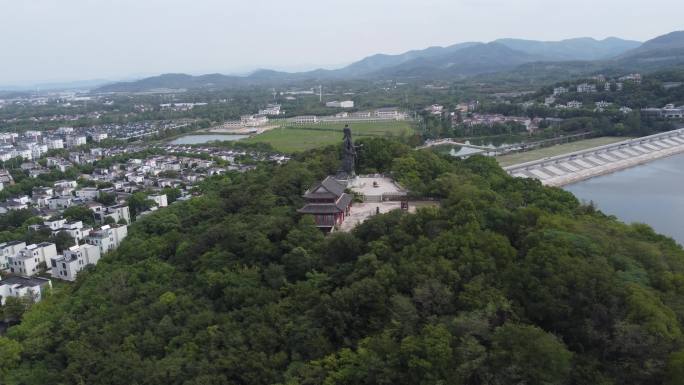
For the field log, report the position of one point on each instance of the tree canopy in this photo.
(506, 282)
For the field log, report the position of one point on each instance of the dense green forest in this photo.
(507, 282)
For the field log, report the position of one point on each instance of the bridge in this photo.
(451, 142)
(576, 166)
(495, 151)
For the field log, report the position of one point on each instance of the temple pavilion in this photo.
(328, 203)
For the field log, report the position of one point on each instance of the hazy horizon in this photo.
(79, 40)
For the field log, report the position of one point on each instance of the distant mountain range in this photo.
(536, 58)
(54, 86)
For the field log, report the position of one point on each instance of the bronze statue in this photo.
(348, 153)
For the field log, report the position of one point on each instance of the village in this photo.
(82, 218)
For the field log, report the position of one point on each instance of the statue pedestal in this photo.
(346, 179)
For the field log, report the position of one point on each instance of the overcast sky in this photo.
(58, 40)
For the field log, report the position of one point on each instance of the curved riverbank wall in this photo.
(580, 165)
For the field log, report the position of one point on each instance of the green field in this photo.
(300, 138)
(560, 149)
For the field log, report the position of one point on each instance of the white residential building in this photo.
(586, 88)
(65, 130)
(8, 137)
(68, 266)
(99, 136)
(634, 78)
(37, 150)
(9, 249)
(574, 104)
(602, 105)
(116, 212)
(305, 119)
(559, 91)
(61, 202)
(435, 109)
(389, 113)
(75, 229)
(340, 104)
(32, 288)
(54, 143)
(107, 238)
(361, 115)
(253, 120)
(27, 260)
(75, 140)
(15, 204)
(32, 134)
(65, 183)
(55, 224)
(88, 193)
(25, 153)
(159, 199)
(271, 109)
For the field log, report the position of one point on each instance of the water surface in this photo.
(651, 193)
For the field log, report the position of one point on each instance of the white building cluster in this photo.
(34, 144)
(340, 104)
(19, 259)
(380, 114)
(271, 110)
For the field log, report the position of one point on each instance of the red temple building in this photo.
(328, 203)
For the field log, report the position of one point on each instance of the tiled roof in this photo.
(333, 188)
(24, 281)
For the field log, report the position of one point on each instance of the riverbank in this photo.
(559, 149)
(581, 165)
(618, 166)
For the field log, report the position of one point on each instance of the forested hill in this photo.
(508, 282)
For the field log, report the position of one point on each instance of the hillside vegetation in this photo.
(508, 282)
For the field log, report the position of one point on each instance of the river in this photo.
(652, 193)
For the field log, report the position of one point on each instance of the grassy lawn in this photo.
(560, 149)
(301, 138)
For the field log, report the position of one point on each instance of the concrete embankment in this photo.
(577, 166)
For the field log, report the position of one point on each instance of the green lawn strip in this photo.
(302, 138)
(560, 149)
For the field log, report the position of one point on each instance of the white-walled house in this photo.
(107, 238)
(340, 104)
(9, 249)
(116, 212)
(55, 224)
(159, 199)
(54, 143)
(88, 193)
(75, 140)
(75, 229)
(23, 287)
(68, 266)
(61, 202)
(27, 260)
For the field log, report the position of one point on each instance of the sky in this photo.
(66, 40)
